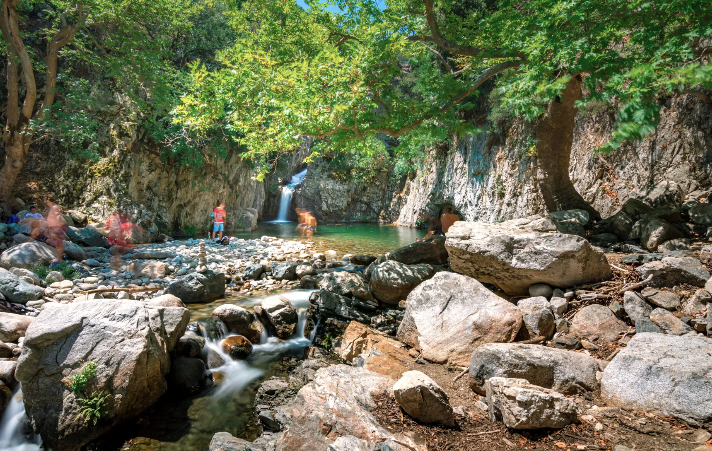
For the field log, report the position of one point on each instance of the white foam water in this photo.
(285, 201)
(11, 436)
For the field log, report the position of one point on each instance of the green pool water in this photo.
(372, 239)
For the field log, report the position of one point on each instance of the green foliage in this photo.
(91, 409)
(41, 271)
(327, 342)
(190, 230)
(79, 381)
(66, 269)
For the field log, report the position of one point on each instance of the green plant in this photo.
(92, 408)
(41, 271)
(64, 268)
(500, 186)
(190, 230)
(327, 342)
(79, 381)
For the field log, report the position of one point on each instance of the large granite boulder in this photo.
(239, 321)
(340, 399)
(663, 373)
(521, 405)
(345, 284)
(517, 254)
(13, 326)
(431, 251)
(391, 281)
(128, 341)
(223, 441)
(597, 323)
(27, 255)
(17, 290)
(280, 314)
(86, 236)
(423, 399)
(565, 371)
(672, 271)
(198, 287)
(450, 315)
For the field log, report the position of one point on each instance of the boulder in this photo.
(517, 254)
(345, 284)
(431, 251)
(570, 221)
(13, 326)
(521, 405)
(391, 281)
(597, 323)
(198, 287)
(655, 231)
(672, 271)
(701, 214)
(564, 371)
(187, 375)
(190, 346)
(17, 290)
(74, 251)
(669, 323)
(643, 325)
(621, 224)
(663, 194)
(86, 236)
(667, 374)
(373, 351)
(678, 244)
(27, 255)
(281, 315)
(305, 270)
(166, 300)
(450, 315)
(423, 399)
(239, 321)
(253, 272)
(26, 275)
(128, 341)
(635, 306)
(341, 397)
(284, 271)
(538, 319)
(237, 347)
(363, 260)
(223, 441)
(664, 299)
(345, 307)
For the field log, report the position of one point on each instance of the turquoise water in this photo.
(372, 239)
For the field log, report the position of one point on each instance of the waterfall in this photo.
(285, 201)
(12, 437)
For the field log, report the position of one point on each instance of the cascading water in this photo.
(11, 428)
(285, 201)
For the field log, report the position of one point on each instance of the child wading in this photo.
(219, 214)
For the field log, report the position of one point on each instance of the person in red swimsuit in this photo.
(219, 214)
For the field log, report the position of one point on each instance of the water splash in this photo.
(11, 427)
(285, 202)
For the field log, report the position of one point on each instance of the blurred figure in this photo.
(301, 222)
(55, 231)
(119, 237)
(447, 219)
(435, 228)
(34, 214)
(36, 222)
(310, 221)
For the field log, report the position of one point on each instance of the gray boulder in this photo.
(74, 252)
(663, 373)
(27, 255)
(284, 271)
(664, 299)
(538, 319)
(345, 284)
(17, 290)
(305, 270)
(253, 272)
(678, 244)
(391, 281)
(620, 224)
(564, 371)
(198, 287)
(13, 326)
(223, 441)
(597, 323)
(570, 221)
(643, 325)
(450, 315)
(423, 399)
(280, 313)
(239, 321)
(130, 345)
(672, 271)
(655, 231)
(521, 405)
(517, 254)
(86, 236)
(636, 306)
(701, 214)
(669, 323)
(26, 275)
(431, 251)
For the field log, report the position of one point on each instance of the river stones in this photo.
(450, 315)
(280, 313)
(17, 290)
(187, 375)
(423, 399)
(391, 281)
(517, 254)
(597, 323)
(13, 326)
(237, 347)
(239, 321)
(27, 255)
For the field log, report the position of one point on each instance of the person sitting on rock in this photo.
(447, 219)
(36, 222)
(33, 213)
(435, 228)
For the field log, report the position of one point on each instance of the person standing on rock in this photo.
(55, 232)
(447, 219)
(219, 218)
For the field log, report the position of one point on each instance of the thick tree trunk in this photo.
(555, 135)
(15, 156)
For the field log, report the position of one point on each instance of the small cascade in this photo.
(12, 437)
(285, 201)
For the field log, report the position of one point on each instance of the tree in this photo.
(125, 41)
(406, 70)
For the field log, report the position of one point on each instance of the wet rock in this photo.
(307, 282)
(190, 346)
(391, 281)
(86, 236)
(18, 290)
(239, 321)
(345, 284)
(13, 326)
(187, 375)
(597, 323)
(284, 271)
(27, 255)
(664, 299)
(281, 315)
(166, 300)
(655, 231)
(237, 347)
(7, 372)
(253, 272)
(214, 360)
(669, 323)
(332, 304)
(431, 251)
(423, 399)
(198, 287)
(130, 344)
(448, 316)
(223, 441)
(636, 306)
(521, 405)
(566, 372)
(517, 254)
(672, 271)
(363, 260)
(662, 373)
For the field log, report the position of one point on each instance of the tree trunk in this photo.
(555, 135)
(15, 156)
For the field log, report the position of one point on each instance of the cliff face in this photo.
(492, 177)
